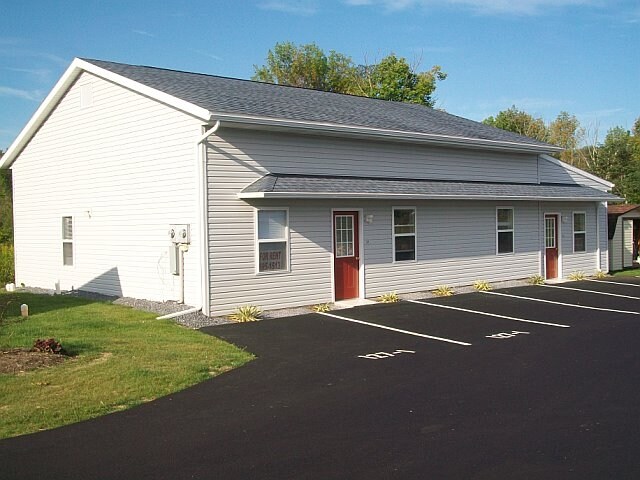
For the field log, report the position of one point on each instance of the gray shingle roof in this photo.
(310, 186)
(220, 95)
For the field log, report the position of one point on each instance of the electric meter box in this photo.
(179, 233)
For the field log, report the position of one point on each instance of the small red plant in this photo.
(47, 346)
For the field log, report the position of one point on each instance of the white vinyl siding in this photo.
(404, 234)
(125, 169)
(579, 232)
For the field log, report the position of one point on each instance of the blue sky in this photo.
(544, 56)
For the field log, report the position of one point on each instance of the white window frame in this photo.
(70, 241)
(573, 220)
(414, 234)
(512, 230)
(258, 241)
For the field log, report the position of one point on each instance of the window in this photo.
(579, 232)
(273, 233)
(345, 241)
(404, 234)
(67, 241)
(504, 230)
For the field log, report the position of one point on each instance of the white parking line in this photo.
(561, 303)
(592, 291)
(406, 332)
(614, 283)
(489, 314)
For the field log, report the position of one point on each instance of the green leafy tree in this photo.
(6, 206)
(308, 66)
(519, 121)
(618, 160)
(394, 79)
(565, 131)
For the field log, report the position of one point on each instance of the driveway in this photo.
(534, 382)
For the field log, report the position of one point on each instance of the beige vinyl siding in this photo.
(551, 172)
(456, 244)
(260, 152)
(238, 157)
(125, 168)
(586, 262)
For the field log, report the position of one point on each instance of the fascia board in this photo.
(182, 105)
(577, 170)
(412, 196)
(398, 135)
(70, 75)
(41, 114)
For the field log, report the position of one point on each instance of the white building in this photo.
(291, 196)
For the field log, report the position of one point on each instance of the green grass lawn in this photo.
(121, 358)
(634, 272)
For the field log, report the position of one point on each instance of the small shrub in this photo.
(536, 280)
(482, 286)
(47, 346)
(600, 274)
(246, 313)
(577, 276)
(321, 307)
(443, 291)
(390, 297)
(6, 264)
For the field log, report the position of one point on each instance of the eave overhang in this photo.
(288, 186)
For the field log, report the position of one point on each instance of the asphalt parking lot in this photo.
(524, 383)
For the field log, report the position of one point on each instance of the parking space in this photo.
(474, 320)
(477, 386)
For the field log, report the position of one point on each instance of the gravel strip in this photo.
(190, 320)
(198, 320)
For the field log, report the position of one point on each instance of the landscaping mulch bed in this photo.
(20, 360)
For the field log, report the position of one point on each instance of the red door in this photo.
(551, 246)
(346, 254)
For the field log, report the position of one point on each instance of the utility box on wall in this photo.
(179, 233)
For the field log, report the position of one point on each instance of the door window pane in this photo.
(344, 236)
(550, 232)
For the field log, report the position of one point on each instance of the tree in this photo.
(394, 79)
(6, 206)
(618, 160)
(519, 121)
(309, 67)
(565, 131)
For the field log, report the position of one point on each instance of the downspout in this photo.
(598, 259)
(204, 216)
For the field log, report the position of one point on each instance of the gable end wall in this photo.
(124, 168)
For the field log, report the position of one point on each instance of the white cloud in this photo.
(207, 54)
(143, 33)
(296, 7)
(41, 73)
(483, 7)
(33, 95)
